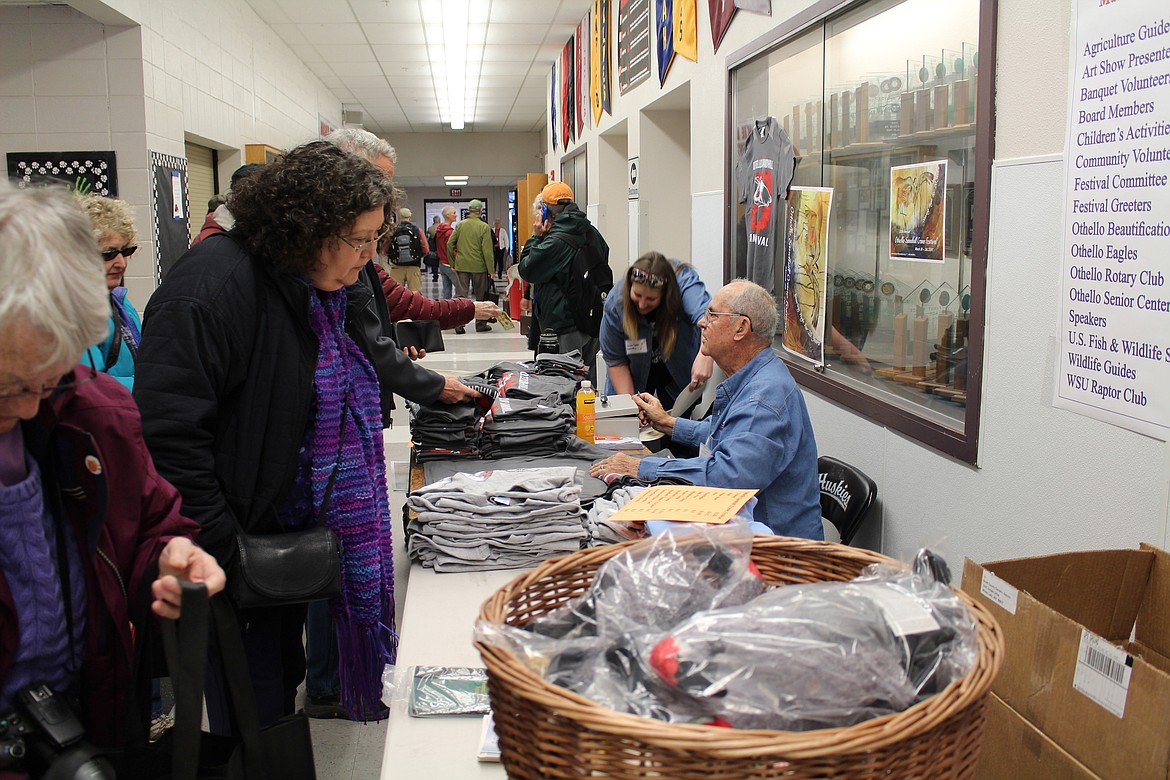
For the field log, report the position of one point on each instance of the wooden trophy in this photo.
(920, 347)
(941, 106)
(906, 113)
(833, 128)
(845, 134)
(945, 358)
(962, 96)
(861, 109)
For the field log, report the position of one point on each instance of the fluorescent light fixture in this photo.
(455, 55)
(455, 178)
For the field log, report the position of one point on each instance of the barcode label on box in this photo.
(999, 591)
(1103, 672)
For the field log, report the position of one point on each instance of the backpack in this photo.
(590, 281)
(405, 248)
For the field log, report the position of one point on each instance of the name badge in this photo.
(705, 449)
(637, 347)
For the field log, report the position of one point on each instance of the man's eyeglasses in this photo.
(711, 314)
(645, 277)
(126, 251)
(14, 391)
(360, 245)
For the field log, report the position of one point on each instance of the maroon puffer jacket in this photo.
(406, 304)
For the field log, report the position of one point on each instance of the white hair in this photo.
(450, 210)
(537, 205)
(363, 143)
(758, 305)
(55, 282)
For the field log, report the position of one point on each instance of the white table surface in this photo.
(436, 629)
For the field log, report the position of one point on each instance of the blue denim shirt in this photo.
(695, 300)
(760, 436)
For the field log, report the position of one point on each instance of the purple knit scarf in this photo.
(359, 509)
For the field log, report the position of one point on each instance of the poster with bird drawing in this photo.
(806, 252)
(918, 207)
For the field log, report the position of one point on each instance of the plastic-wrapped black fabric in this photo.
(596, 644)
(823, 655)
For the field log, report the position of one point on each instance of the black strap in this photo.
(186, 642)
(115, 347)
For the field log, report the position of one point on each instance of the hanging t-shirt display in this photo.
(763, 173)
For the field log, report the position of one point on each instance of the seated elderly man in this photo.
(758, 435)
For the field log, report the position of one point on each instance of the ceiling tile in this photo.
(310, 11)
(333, 34)
(395, 34)
(400, 52)
(524, 11)
(289, 33)
(335, 52)
(347, 69)
(505, 68)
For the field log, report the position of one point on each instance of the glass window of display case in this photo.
(859, 174)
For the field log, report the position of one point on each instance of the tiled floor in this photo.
(353, 751)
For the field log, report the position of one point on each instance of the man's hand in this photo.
(455, 391)
(486, 310)
(701, 370)
(182, 559)
(414, 353)
(541, 226)
(618, 463)
(650, 412)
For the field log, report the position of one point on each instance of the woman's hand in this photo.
(701, 370)
(486, 310)
(414, 353)
(182, 559)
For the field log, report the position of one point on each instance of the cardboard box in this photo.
(1063, 618)
(1014, 749)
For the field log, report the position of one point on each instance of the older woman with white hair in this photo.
(84, 516)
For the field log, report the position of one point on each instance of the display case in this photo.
(858, 173)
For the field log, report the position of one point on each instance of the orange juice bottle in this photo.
(586, 425)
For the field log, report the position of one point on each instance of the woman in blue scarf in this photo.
(113, 227)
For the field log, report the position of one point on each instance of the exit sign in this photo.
(456, 192)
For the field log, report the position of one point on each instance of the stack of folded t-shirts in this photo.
(568, 365)
(521, 380)
(443, 431)
(522, 427)
(499, 519)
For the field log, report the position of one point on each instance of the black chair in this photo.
(846, 496)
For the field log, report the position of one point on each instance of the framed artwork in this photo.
(83, 172)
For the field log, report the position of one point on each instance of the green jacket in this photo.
(546, 262)
(471, 241)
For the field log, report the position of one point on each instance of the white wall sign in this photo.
(1114, 361)
(632, 178)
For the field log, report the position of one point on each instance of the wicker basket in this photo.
(549, 732)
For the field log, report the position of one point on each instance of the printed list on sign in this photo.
(1114, 361)
(684, 504)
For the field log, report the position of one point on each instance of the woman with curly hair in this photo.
(261, 404)
(113, 227)
(650, 330)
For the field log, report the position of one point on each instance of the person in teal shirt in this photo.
(113, 227)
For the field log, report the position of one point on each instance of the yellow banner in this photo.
(595, 62)
(686, 29)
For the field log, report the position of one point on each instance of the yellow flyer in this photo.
(684, 504)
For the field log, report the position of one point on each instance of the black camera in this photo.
(45, 739)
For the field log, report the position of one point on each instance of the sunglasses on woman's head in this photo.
(126, 251)
(645, 277)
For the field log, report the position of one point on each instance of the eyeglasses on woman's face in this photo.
(360, 246)
(11, 391)
(110, 254)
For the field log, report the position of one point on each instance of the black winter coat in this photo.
(224, 382)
